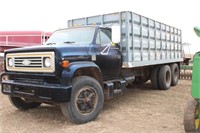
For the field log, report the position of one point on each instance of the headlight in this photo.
(47, 62)
(10, 62)
(4, 78)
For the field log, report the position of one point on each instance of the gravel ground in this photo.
(140, 110)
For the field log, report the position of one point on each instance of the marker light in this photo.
(65, 63)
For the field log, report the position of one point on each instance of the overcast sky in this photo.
(49, 15)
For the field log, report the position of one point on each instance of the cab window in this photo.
(103, 37)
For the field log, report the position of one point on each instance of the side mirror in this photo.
(116, 34)
(117, 45)
(197, 31)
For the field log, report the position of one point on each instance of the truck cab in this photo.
(90, 43)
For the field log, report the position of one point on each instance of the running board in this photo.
(114, 88)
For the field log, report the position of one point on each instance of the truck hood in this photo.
(62, 51)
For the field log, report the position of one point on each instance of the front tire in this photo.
(191, 122)
(86, 102)
(23, 104)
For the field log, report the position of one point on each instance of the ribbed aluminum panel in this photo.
(144, 41)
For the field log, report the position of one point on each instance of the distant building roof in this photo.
(24, 33)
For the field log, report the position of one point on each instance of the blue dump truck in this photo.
(91, 61)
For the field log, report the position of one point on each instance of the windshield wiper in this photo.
(69, 42)
(51, 43)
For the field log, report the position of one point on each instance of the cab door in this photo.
(108, 56)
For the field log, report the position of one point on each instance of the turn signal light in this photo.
(65, 63)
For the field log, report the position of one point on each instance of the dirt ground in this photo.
(140, 110)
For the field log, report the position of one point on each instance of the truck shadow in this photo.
(44, 114)
(133, 93)
(50, 114)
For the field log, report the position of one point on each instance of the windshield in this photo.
(75, 35)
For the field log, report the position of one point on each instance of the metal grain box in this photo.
(144, 41)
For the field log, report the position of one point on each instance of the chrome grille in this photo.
(28, 62)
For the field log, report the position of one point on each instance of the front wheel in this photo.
(23, 104)
(86, 100)
(192, 117)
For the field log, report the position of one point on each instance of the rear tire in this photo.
(86, 102)
(189, 117)
(23, 104)
(164, 77)
(175, 74)
(154, 77)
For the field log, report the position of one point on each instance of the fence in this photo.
(1, 65)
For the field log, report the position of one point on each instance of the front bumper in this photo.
(47, 93)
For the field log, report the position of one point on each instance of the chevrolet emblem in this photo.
(26, 62)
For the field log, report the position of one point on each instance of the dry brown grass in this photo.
(142, 109)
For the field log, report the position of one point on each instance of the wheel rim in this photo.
(86, 100)
(197, 121)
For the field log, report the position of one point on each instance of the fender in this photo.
(68, 74)
(196, 76)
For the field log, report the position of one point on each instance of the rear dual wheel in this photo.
(154, 77)
(175, 74)
(161, 77)
(165, 76)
